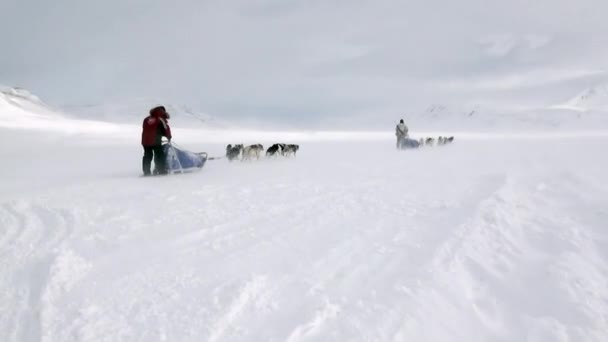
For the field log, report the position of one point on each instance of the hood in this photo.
(159, 112)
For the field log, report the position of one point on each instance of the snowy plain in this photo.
(492, 238)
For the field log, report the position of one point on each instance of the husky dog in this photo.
(233, 152)
(429, 141)
(448, 140)
(440, 140)
(252, 151)
(421, 141)
(290, 150)
(274, 150)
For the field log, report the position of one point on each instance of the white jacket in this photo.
(401, 130)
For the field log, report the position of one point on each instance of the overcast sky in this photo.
(305, 59)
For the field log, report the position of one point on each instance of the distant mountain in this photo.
(21, 100)
(133, 112)
(19, 93)
(589, 111)
(439, 116)
(442, 111)
(476, 117)
(594, 98)
(20, 108)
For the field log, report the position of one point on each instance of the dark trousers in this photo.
(158, 154)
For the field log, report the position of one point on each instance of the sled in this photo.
(408, 143)
(180, 161)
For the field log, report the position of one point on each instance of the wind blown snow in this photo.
(487, 239)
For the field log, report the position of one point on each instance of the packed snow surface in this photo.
(492, 238)
(482, 240)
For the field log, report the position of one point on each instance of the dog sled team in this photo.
(169, 158)
(435, 142)
(244, 153)
(405, 142)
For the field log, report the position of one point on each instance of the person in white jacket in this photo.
(401, 131)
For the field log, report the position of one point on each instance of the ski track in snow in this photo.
(350, 241)
(31, 233)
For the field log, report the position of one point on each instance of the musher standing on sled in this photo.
(155, 127)
(401, 133)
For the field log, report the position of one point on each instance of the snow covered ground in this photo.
(488, 239)
(497, 237)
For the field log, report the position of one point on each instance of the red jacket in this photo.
(155, 128)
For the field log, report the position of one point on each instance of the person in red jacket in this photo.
(155, 127)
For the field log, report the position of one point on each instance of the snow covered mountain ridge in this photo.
(594, 98)
(20, 108)
(16, 92)
(134, 111)
(588, 110)
(22, 98)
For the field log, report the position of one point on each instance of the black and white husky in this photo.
(275, 150)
